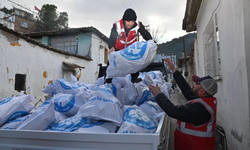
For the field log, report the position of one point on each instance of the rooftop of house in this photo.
(29, 39)
(70, 31)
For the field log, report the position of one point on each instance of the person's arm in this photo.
(184, 86)
(180, 81)
(112, 37)
(194, 113)
(145, 34)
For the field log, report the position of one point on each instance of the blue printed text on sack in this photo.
(104, 100)
(6, 100)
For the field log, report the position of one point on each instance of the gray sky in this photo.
(101, 14)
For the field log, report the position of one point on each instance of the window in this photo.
(24, 24)
(17, 12)
(212, 49)
(65, 43)
(106, 56)
(20, 80)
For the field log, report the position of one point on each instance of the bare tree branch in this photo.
(157, 34)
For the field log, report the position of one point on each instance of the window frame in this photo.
(24, 24)
(211, 43)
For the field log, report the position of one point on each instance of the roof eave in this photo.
(192, 9)
(67, 31)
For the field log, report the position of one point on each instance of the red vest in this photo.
(190, 137)
(122, 41)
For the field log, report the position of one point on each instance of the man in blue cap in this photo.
(197, 118)
(124, 33)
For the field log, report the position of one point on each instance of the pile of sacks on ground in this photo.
(117, 107)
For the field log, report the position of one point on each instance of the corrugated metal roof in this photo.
(70, 31)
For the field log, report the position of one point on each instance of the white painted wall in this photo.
(233, 92)
(33, 61)
(97, 50)
(246, 13)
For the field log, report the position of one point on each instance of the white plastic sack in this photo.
(115, 89)
(136, 120)
(92, 126)
(14, 107)
(58, 117)
(103, 105)
(90, 86)
(69, 125)
(166, 88)
(43, 116)
(153, 109)
(147, 79)
(169, 85)
(73, 78)
(15, 123)
(144, 93)
(131, 59)
(69, 104)
(62, 86)
(155, 77)
(100, 81)
(155, 74)
(130, 95)
(123, 81)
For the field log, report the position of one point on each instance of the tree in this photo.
(48, 19)
(157, 34)
(6, 10)
(62, 20)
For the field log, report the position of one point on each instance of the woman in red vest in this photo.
(197, 118)
(124, 33)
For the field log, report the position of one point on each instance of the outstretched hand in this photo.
(155, 90)
(170, 64)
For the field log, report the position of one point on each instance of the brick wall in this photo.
(26, 27)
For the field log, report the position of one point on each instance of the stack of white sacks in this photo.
(117, 107)
(121, 106)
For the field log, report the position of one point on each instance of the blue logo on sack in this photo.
(16, 115)
(68, 85)
(114, 61)
(135, 51)
(59, 106)
(6, 100)
(21, 119)
(152, 73)
(104, 89)
(91, 123)
(142, 75)
(145, 96)
(138, 117)
(46, 102)
(114, 90)
(69, 124)
(153, 106)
